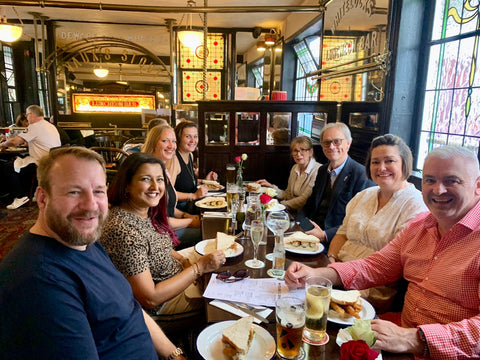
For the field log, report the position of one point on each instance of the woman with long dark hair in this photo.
(139, 240)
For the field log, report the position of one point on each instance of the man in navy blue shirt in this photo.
(60, 295)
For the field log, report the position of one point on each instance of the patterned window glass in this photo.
(452, 90)
(191, 65)
(308, 56)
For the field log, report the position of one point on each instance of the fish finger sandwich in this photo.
(300, 240)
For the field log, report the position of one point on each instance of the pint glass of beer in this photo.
(232, 193)
(231, 172)
(317, 299)
(290, 315)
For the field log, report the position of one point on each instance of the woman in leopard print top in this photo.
(140, 246)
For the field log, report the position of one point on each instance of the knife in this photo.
(247, 311)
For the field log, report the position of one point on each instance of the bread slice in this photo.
(253, 187)
(349, 297)
(300, 240)
(224, 241)
(237, 339)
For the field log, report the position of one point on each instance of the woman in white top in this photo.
(302, 176)
(376, 215)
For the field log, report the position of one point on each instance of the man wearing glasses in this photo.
(337, 182)
(17, 176)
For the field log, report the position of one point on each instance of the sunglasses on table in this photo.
(227, 276)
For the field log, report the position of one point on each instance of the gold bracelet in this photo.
(333, 257)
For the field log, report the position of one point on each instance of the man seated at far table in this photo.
(17, 177)
(60, 295)
(337, 182)
(438, 253)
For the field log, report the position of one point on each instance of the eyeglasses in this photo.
(336, 142)
(301, 151)
(226, 276)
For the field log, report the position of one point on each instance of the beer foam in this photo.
(292, 318)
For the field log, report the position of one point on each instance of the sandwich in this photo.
(346, 303)
(213, 202)
(253, 187)
(212, 184)
(226, 243)
(237, 339)
(271, 204)
(300, 240)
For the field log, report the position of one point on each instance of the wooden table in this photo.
(331, 350)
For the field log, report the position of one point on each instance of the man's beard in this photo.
(67, 232)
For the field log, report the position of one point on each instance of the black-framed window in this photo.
(8, 73)
(450, 113)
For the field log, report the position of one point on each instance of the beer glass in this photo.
(231, 171)
(232, 193)
(317, 298)
(290, 315)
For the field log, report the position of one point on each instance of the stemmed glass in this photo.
(278, 222)
(256, 234)
(235, 201)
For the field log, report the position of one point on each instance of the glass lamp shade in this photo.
(261, 46)
(10, 33)
(100, 72)
(191, 39)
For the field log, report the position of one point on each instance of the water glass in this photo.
(317, 296)
(290, 315)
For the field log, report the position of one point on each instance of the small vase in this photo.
(239, 180)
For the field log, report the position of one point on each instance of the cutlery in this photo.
(246, 310)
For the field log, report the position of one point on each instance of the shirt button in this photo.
(423, 291)
(426, 278)
(416, 309)
(434, 258)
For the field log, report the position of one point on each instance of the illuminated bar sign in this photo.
(109, 103)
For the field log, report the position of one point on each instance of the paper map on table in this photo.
(252, 291)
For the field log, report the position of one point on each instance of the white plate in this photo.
(209, 343)
(278, 207)
(201, 203)
(367, 313)
(305, 252)
(208, 246)
(340, 340)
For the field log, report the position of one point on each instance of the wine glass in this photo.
(256, 234)
(253, 211)
(234, 202)
(278, 222)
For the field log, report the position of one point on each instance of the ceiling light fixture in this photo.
(271, 38)
(120, 79)
(100, 71)
(188, 37)
(9, 32)
(261, 46)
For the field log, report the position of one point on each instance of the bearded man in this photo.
(60, 295)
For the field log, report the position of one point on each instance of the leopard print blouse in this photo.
(134, 246)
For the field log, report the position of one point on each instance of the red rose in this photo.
(357, 350)
(238, 159)
(265, 199)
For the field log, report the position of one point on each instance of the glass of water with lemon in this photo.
(317, 300)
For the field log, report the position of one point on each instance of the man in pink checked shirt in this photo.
(438, 253)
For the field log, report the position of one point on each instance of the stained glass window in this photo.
(307, 52)
(451, 114)
(191, 63)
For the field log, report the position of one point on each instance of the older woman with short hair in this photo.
(377, 214)
(302, 176)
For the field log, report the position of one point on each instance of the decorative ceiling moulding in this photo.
(91, 50)
(166, 9)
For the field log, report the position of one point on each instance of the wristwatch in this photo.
(178, 351)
